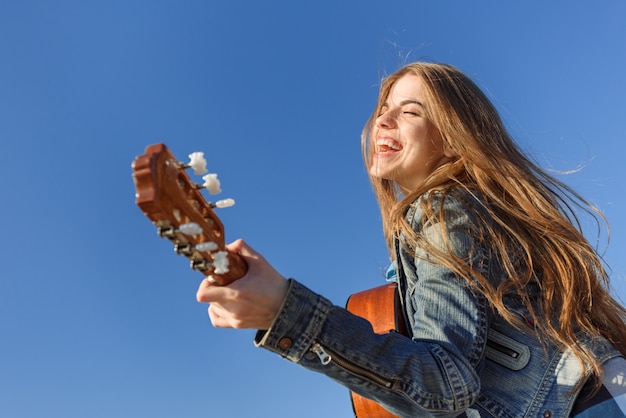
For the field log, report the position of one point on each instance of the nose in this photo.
(386, 120)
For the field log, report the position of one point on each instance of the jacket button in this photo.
(285, 343)
(547, 414)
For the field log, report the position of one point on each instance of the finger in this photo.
(217, 319)
(241, 247)
(205, 290)
(214, 317)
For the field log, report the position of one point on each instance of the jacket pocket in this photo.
(507, 352)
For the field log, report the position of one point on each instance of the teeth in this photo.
(388, 144)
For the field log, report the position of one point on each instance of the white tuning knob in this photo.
(190, 228)
(197, 162)
(224, 203)
(206, 246)
(211, 183)
(220, 262)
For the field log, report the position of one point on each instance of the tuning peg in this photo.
(187, 249)
(219, 264)
(197, 162)
(190, 228)
(206, 246)
(224, 203)
(211, 183)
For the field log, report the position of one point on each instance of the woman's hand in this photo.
(250, 302)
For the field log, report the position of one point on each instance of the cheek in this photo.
(371, 144)
(372, 134)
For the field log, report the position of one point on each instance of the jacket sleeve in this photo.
(433, 373)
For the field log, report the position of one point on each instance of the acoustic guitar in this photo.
(177, 207)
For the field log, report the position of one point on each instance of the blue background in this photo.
(98, 315)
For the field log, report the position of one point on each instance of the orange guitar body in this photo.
(381, 307)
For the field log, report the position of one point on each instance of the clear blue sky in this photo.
(98, 315)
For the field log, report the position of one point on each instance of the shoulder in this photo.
(452, 205)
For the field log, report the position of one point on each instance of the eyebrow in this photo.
(406, 102)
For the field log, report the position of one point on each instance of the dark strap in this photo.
(610, 399)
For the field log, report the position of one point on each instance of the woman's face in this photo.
(407, 146)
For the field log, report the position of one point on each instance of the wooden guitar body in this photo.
(382, 308)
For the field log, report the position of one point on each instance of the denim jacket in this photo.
(460, 357)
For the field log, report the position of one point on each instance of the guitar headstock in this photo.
(175, 204)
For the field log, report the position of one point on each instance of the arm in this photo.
(433, 374)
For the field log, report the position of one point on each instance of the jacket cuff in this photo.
(297, 324)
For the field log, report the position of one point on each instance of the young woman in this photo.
(505, 301)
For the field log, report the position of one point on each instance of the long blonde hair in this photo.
(531, 211)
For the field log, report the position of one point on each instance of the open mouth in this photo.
(387, 145)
